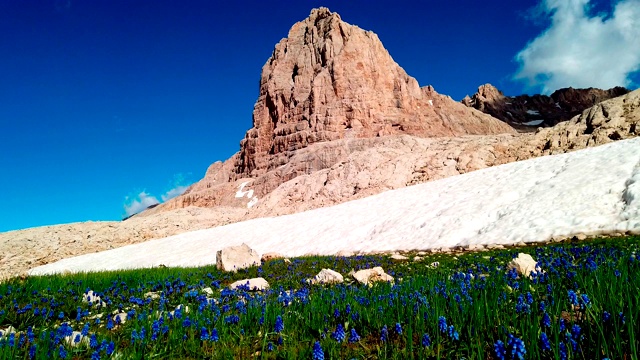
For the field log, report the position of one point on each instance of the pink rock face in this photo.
(330, 80)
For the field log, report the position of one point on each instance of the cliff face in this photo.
(329, 80)
(538, 110)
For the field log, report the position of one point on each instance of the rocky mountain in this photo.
(363, 167)
(524, 111)
(336, 120)
(329, 80)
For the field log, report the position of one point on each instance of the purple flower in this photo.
(442, 324)
(279, 326)
(426, 340)
(354, 337)
(317, 354)
(339, 335)
(544, 342)
(384, 334)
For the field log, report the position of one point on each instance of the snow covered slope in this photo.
(596, 190)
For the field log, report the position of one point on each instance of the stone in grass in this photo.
(92, 298)
(271, 256)
(183, 309)
(255, 284)
(345, 253)
(369, 276)
(207, 291)
(6, 331)
(152, 295)
(417, 258)
(398, 257)
(474, 247)
(579, 237)
(234, 258)
(327, 276)
(76, 339)
(120, 318)
(495, 247)
(524, 264)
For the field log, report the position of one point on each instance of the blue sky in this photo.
(101, 101)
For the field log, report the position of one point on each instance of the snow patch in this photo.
(532, 200)
(533, 112)
(533, 122)
(431, 102)
(248, 193)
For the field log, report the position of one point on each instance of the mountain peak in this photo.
(330, 80)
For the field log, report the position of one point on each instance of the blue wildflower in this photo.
(279, 340)
(585, 299)
(563, 351)
(521, 306)
(398, 329)
(546, 320)
(573, 298)
(85, 329)
(62, 352)
(529, 298)
(32, 351)
(354, 337)
(110, 348)
(426, 340)
(93, 341)
(544, 342)
(339, 335)
(186, 322)
(317, 354)
(384, 334)
(204, 334)
(606, 316)
(575, 331)
(516, 347)
(214, 335)
(442, 324)
(499, 349)
(279, 326)
(453, 334)
(270, 347)
(232, 319)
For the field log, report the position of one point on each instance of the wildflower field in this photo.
(583, 304)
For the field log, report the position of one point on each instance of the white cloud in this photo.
(178, 190)
(139, 203)
(581, 50)
(144, 199)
